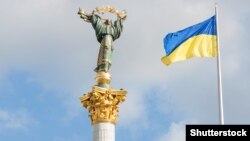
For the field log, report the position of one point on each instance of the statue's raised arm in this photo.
(122, 15)
(85, 16)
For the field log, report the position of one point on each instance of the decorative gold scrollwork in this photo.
(103, 103)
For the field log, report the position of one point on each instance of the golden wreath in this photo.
(110, 9)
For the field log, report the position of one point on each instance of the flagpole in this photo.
(221, 111)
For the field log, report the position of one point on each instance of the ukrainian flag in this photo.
(195, 41)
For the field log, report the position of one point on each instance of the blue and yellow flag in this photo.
(195, 41)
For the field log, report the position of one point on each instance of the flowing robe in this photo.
(105, 34)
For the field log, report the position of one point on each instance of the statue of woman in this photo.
(106, 33)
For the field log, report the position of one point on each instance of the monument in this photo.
(102, 102)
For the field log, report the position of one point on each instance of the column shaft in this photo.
(104, 132)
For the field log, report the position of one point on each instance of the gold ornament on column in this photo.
(103, 103)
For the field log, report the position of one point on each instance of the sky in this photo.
(48, 54)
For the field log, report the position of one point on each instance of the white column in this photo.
(104, 132)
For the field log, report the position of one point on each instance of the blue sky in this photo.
(47, 57)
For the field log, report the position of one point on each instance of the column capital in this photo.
(102, 104)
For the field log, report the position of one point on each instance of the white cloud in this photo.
(133, 111)
(16, 120)
(176, 132)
